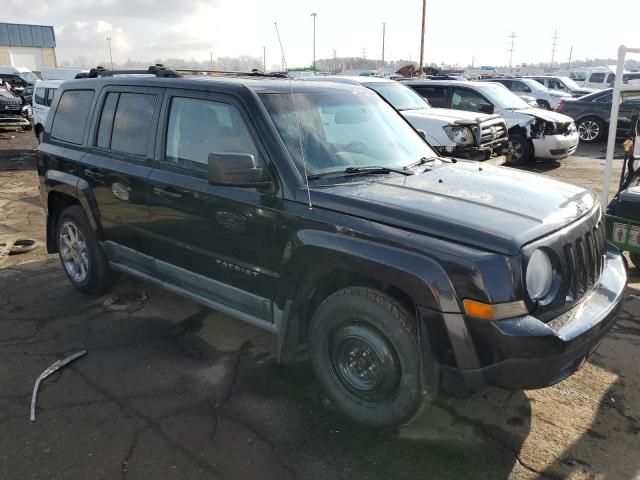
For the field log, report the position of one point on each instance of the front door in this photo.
(117, 164)
(215, 241)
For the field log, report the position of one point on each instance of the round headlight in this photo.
(463, 136)
(539, 275)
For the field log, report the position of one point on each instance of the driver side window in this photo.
(463, 99)
(199, 127)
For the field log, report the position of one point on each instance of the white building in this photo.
(30, 46)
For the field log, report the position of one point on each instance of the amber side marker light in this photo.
(495, 311)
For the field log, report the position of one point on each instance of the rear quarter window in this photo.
(436, 96)
(71, 116)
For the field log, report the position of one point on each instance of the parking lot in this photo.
(169, 389)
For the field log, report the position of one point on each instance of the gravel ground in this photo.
(172, 390)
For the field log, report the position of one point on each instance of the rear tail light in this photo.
(560, 107)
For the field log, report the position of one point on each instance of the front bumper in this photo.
(555, 146)
(12, 121)
(524, 352)
(483, 152)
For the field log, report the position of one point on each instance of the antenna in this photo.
(295, 113)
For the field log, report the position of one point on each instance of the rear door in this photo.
(39, 104)
(216, 241)
(119, 161)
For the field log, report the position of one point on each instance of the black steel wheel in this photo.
(364, 349)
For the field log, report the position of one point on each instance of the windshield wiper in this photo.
(422, 161)
(370, 169)
(375, 169)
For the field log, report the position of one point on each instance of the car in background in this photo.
(533, 132)
(472, 136)
(631, 77)
(21, 80)
(42, 99)
(592, 114)
(60, 73)
(545, 98)
(597, 78)
(13, 113)
(562, 84)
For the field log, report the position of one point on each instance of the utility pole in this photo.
(553, 48)
(110, 56)
(384, 25)
(364, 53)
(513, 37)
(424, 15)
(473, 61)
(334, 69)
(264, 59)
(314, 15)
(211, 60)
(570, 55)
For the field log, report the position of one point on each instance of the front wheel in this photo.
(83, 260)
(364, 350)
(544, 104)
(519, 150)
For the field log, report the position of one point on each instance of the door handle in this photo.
(166, 193)
(93, 173)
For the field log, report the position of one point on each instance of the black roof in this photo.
(204, 82)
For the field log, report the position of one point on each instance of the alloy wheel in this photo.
(588, 130)
(73, 252)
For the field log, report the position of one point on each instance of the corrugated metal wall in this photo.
(18, 35)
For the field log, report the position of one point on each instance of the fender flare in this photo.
(76, 188)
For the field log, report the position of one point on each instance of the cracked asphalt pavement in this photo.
(172, 390)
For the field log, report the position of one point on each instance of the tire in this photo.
(590, 129)
(26, 128)
(360, 331)
(635, 259)
(544, 104)
(40, 134)
(519, 151)
(82, 259)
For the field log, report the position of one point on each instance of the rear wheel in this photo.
(590, 129)
(518, 150)
(83, 260)
(544, 104)
(364, 350)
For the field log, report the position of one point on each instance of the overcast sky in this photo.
(456, 30)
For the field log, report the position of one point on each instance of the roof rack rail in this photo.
(158, 70)
(253, 73)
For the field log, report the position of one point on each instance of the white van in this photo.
(597, 78)
(60, 73)
(42, 98)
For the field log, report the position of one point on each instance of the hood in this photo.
(447, 116)
(546, 115)
(494, 208)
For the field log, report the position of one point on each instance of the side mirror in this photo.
(486, 108)
(236, 170)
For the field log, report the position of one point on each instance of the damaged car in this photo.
(533, 132)
(13, 112)
(453, 133)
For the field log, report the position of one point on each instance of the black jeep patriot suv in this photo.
(315, 211)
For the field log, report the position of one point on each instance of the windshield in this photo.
(28, 77)
(570, 84)
(342, 129)
(398, 95)
(503, 97)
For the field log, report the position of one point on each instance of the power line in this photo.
(513, 37)
(555, 44)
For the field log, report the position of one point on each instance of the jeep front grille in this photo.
(584, 260)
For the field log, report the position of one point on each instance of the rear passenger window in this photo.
(125, 122)
(40, 96)
(197, 128)
(71, 116)
(597, 77)
(437, 96)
